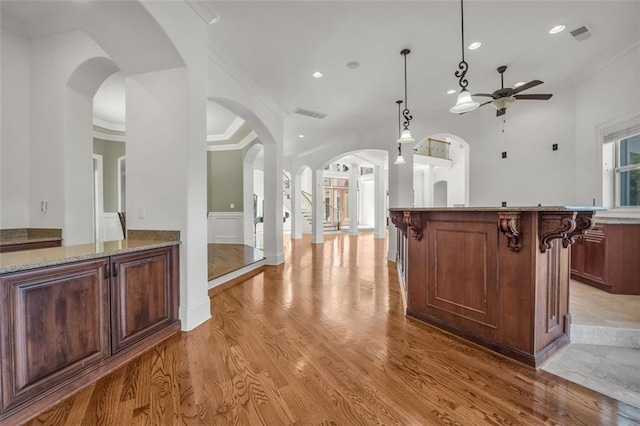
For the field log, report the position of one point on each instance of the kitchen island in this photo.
(498, 277)
(72, 314)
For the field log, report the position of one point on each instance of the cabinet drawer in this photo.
(55, 324)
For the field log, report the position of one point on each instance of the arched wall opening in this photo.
(273, 180)
(441, 158)
(81, 191)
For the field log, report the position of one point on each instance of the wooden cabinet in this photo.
(142, 292)
(588, 257)
(40, 348)
(607, 256)
(64, 326)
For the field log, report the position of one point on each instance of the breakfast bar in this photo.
(498, 277)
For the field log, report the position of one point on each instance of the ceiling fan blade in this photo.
(500, 112)
(539, 97)
(483, 94)
(526, 86)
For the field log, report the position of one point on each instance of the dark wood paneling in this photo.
(606, 257)
(463, 270)
(142, 295)
(55, 323)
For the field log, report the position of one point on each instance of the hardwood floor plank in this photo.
(323, 340)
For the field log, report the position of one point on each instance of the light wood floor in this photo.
(322, 340)
(225, 258)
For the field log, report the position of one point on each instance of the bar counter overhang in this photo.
(498, 277)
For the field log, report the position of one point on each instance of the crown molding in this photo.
(205, 10)
(109, 125)
(228, 134)
(231, 147)
(105, 134)
(245, 81)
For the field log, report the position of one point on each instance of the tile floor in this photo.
(612, 321)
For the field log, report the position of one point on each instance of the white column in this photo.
(273, 199)
(247, 201)
(380, 213)
(400, 190)
(353, 199)
(296, 207)
(317, 235)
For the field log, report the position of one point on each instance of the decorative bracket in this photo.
(584, 222)
(408, 220)
(509, 225)
(554, 225)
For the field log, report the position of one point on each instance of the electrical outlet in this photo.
(504, 154)
(504, 204)
(233, 206)
(554, 147)
(141, 212)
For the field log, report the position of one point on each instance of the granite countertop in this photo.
(618, 220)
(32, 259)
(501, 209)
(28, 235)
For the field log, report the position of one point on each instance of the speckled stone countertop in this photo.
(32, 259)
(29, 235)
(618, 220)
(501, 209)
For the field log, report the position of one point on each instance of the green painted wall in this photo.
(224, 180)
(110, 152)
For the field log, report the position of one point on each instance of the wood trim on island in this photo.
(496, 277)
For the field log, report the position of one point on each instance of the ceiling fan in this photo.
(505, 96)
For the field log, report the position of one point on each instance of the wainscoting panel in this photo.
(225, 227)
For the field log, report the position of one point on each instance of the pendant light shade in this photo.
(405, 137)
(465, 102)
(400, 160)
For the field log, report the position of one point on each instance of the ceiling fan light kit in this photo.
(465, 102)
(502, 98)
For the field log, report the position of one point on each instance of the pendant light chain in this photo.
(463, 67)
(405, 113)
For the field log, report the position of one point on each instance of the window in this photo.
(627, 171)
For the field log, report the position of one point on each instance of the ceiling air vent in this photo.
(581, 33)
(309, 113)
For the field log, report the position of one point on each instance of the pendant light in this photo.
(465, 102)
(400, 159)
(405, 135)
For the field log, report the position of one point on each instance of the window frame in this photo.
(618, 170)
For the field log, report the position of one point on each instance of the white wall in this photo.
(366, 201)
(611, 92)
(14, 126)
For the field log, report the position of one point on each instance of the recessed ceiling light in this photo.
(475, 45)
(353, 65)
(518, 84)
(317, 74)
(301, 136)
(557, 29)
(451, 91)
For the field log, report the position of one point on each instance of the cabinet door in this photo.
(577, 257)
(144, 294)
(594, 255)
(55, 324)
